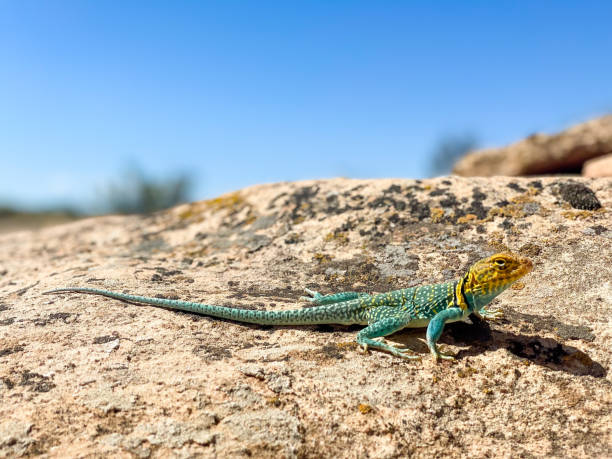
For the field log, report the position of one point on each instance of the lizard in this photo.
(430, 306)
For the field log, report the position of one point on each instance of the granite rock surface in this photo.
(84, 376)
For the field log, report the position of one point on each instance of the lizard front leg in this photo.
(384, 327)
(316, 299)
(435, 327)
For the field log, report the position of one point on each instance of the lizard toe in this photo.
(307, 298)
(407, 356)
(312, 293)
(441, 356)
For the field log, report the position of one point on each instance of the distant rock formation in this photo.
(571, 151)
(598, 167)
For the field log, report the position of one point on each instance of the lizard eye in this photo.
(500, 263)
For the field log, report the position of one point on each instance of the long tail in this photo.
(339, 313)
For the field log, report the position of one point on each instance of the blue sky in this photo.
(239, 93)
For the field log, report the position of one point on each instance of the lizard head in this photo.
(490, 276)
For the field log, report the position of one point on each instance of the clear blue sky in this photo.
(239, 93)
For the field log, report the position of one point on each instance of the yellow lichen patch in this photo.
(514, 210)
(188, 213)
(231, 201)
(322, 257)
(577, 214)
(518, 285)
(364, 408)
(533, 191)
(347, 345)
(340, 237)
(196, 253)
(522, 199)
(436, 214)
(467, 218)
(275, 401)
(467, 371)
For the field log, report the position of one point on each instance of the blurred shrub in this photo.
(7, 212)
(448, 150)
(137, 193)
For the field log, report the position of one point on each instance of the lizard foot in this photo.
(403, 354)
(396, 346)
(442, 356)
(493, 314)
(313, 296)
(392, 350)
(398, 350)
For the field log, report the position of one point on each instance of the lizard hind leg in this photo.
(379, 329)
(316, 299)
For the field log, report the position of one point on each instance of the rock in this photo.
(15, 438)
(257, 432)
(82, 375)
(598, 167)
(107, 400)
(564, 152)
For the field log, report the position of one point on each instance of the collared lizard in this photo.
(428, 306)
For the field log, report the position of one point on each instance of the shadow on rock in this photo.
(546, 352)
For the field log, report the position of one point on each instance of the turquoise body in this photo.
(384, 314)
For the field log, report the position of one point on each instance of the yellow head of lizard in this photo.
(490, 276)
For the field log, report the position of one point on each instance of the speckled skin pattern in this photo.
(428, 306)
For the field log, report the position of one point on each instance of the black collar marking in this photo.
(464, 298)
